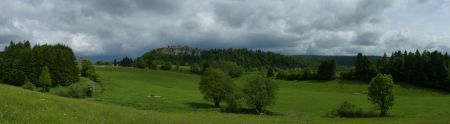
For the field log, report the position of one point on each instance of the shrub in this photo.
(234, 102)
(308, 74)
(76, 90)
(28, 85)
(349, 74)
(270, 73)
(260, 93)
(152, 65)
(88, 70)
(349, 110)
(166, 66)
(195, 68)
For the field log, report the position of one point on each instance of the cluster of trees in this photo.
(217, 86)
(126, 62)
(325, 71)
(21, 63)
(295, 74)
(428, 69)
(229, 67)
(103, 62)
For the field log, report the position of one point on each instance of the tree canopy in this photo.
(215, 85)
(381, 93)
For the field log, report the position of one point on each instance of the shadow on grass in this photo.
(415, 87)
(251, 112)
(198, 105)
(352, 82)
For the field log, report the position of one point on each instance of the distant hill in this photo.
(340, 60)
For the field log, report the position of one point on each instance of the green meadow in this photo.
(131, 95)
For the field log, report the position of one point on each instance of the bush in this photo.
(260, 93)
(28, 85)
(152, 65)
(88, 70)
(308, 74)
(349, 110)
(195, 68)
(76, 90)
(270, 73)
(166, 66)
(349, 75)
(234, 103)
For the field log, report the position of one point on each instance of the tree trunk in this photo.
(216, 103)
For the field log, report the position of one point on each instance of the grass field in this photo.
(127, 99)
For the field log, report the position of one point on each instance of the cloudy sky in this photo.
(105, 28)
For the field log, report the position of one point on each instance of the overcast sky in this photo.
(320, 27)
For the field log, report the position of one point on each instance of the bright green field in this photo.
(125, 100)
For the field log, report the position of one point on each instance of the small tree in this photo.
(215, 85)
(381, 92)
(327, 70)
(260, 93)
(45, 79)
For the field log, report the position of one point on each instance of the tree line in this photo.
(182, 55)
(427, 69)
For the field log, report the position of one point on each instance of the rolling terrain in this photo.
(154, 96)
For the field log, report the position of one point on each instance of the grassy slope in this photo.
(22, 106)
(126, 100)
(306, 100)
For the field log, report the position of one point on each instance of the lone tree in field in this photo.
(260, 93)
(44, 79)
(215, 85)
(381, 93)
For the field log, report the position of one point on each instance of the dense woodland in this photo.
(47, 68)
(21, 63)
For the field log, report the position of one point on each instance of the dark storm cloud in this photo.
(368, 38)
(131, 27)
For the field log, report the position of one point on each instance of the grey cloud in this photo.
(368, 38)
(130, 27)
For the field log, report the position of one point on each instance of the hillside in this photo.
(126, 100)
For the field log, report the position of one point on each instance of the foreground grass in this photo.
(125, 100)
(23, 106)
